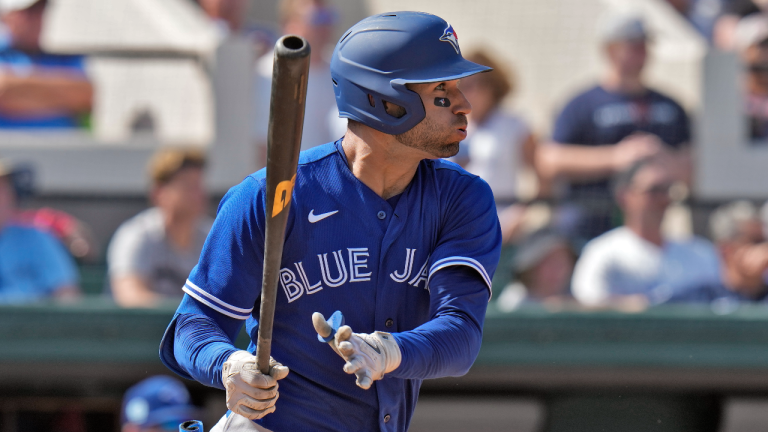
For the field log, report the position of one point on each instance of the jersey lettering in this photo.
(423, 275)
(293, 288)
(296, 284)
(311, 289)
(358, 260)
(340, 269)
(402, 277)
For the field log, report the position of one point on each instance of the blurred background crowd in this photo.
(621, 169)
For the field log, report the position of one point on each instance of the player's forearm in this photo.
(448, 344)
(201, 348)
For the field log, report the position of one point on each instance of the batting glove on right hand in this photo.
(368, 356)
(249, 392)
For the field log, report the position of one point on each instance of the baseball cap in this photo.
(750, 30)
(14, 5)
(621, 27)
(157, 401)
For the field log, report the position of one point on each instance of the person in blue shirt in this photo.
(33, 264)
(607, 128)
(401, 242)
(37, 89)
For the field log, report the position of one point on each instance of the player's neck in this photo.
(379, 161)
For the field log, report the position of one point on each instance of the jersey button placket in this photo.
(386, 418)
(381, 214)
(389, 323)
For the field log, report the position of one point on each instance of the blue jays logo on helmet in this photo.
(450, 36)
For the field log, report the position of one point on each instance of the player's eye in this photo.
(440, 87)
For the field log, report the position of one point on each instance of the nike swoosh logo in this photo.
(315, 218)
(374, 347)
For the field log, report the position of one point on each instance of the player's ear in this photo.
(394, 110)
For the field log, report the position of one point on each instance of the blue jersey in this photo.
(345, 249)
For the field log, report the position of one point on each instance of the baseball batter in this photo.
(402, 243)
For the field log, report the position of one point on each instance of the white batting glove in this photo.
(249, 392)
(368, 356)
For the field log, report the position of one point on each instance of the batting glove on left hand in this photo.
(249, 392)
(368, 356)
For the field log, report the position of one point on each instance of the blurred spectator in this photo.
(738, 233)
(724, 35)
(634, 262)
(751, 41)
(37, 89)
(498, 143)
(33, 264)
(152, 253)
(228, 15)
(313, 20)
(702, 14)
(542, 269)
(73, 233)
(156, 404)
(607, 128)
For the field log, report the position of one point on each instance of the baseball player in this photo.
(402, 243)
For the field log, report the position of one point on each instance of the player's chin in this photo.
(446, 150)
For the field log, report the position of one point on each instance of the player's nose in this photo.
(462, 105)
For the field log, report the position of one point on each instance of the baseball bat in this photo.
(286, 119)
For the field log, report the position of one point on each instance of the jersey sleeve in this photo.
(470, 235)
(227, 277)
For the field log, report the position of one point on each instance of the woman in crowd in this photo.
(499, 144)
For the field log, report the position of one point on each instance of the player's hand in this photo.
(249, 392)
(368, 356)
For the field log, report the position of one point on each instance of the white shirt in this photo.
(495, 149)
(620, 262)
(321, 117)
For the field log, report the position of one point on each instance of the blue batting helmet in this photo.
(378, 56)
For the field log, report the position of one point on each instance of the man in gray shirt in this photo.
(152, 253)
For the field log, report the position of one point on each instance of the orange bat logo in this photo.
(283, 193)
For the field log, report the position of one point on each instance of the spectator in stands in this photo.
(227, 14)
(751, 41)
(314, 20)
(542, 269)
(498, 144)
(635, 263)
(701, 14)
(156, 404)
(152, 253)
(607, 128)
(738, 233)
(37, 89)
(732, 12)
(74, 234)
(33, 264)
